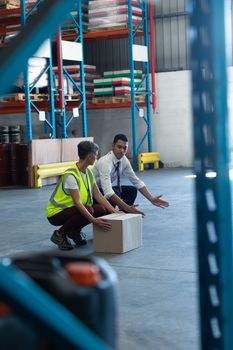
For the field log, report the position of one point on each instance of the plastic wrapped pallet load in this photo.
(76, 68)
(107, 14)
(74, 72)
(92, 4)
(87, 76)
(105, 11)
(125, 235)
(70, 24)
(125, 90)
(111, 21)
(124, 81)
(36, 66)
(122, 90)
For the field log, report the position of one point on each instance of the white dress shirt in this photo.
(105, 173)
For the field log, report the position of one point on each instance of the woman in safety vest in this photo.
(71, 203)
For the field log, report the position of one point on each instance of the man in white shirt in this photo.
(109, 169)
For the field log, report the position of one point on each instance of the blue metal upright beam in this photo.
(61, 111)
(81, 105)
(213, 198)
(26, 80)
(147, 72)
(82, 72)
(135, 108)
(51, 95)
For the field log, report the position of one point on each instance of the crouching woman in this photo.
(71, 203)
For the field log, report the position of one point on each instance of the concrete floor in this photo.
(158, 281)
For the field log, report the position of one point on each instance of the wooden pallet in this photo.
(113, 28)
(116, 99)
(140, 99)
(72, 97)
(102, 99)
(108, 29)
(21, 97)
(69, 31)
(9, 4)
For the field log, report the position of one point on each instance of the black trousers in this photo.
(70, 219)
(127, 193)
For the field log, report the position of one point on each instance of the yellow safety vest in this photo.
(61, 200)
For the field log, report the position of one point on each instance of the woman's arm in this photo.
(81, 208)
(104, 224)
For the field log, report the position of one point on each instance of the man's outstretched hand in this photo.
(158, 202)
(133, 210)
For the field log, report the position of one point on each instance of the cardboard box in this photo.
(125, 235)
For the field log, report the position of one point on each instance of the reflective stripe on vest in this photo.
(61, 200)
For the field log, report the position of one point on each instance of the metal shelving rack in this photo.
(135, 107)
(62, 107)
(131, 33)
(51, 108)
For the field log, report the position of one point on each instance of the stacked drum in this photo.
(4, 134)
(15, 134)
(13, 157)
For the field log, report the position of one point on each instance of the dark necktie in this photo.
(117, 167)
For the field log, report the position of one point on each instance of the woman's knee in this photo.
(90, 209)
(99, 210)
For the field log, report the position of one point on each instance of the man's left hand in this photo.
(158, 202)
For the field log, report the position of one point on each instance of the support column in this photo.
(213, 198)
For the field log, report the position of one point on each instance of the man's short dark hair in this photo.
(121, 137)
(86, 147)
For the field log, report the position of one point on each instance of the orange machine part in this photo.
(84, 274)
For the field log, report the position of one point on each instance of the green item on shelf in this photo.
(122, 73)
(102, 82)
(103, 91)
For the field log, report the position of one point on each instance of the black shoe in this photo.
(79, 238)
(61, 241)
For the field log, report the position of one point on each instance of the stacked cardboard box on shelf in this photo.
(112, 13)
(74, 72)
